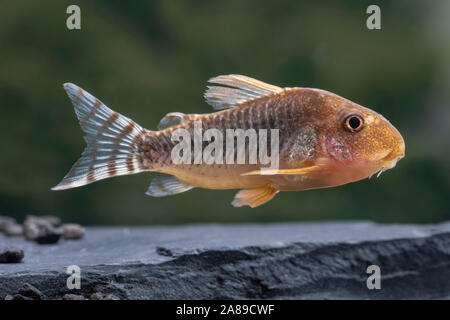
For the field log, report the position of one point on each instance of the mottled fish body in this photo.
(324, 140)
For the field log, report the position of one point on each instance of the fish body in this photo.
(323, 140)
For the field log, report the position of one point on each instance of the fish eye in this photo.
(353, 122)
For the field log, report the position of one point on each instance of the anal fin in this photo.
(165, 185)
(254, 197)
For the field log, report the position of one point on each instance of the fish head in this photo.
(361, 139)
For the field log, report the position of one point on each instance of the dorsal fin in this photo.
(239, 90)
(165, 185)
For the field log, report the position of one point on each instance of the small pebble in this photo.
(73, 231)
(30, 231)
(164, 252)
(48, 236)
(53, 220)
(70, 296)
(101, 296)
(96, 296)
(42, 220)
(30, 291)
(11, 255)
(17, 297)
(5, 221)
(13, 230)
(42, 230)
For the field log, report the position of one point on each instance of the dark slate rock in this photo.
(273, 261)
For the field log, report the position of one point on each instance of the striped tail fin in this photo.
(112, 148)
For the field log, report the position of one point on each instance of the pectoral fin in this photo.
(271, 172)
(254, 197)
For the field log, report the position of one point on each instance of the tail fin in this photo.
(111, 139)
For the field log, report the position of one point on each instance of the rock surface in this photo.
(273, 261)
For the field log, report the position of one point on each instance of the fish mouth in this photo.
(389, 161)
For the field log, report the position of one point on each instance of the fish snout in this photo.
(397, 153)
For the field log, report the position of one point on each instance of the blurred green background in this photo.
(147, 58)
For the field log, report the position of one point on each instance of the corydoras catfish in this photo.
(319, 140)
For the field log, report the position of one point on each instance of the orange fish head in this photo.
(373, 141)
(361, 141)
